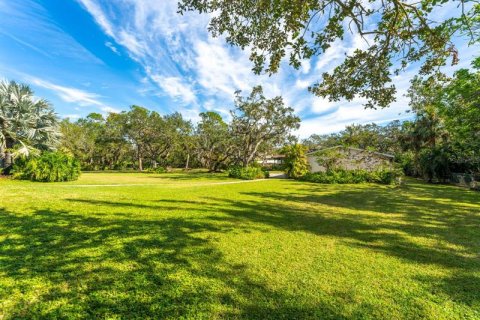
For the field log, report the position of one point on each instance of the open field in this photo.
(195, 246)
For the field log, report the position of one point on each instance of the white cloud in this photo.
(99, 16)
(110, 45)
(175, 87)
(73, 95)
(199, 72)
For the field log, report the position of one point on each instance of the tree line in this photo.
(140, 138)
(442, 137)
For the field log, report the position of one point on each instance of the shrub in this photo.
(156, 170)
(434, 163)
(48, 167)
(247, 173)
(296, 164)
(340, 176)
(407, 161)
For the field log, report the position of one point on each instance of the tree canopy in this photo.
(396, 34)
(26, 124)
(141, 138)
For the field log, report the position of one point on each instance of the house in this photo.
(348, 158)
(272, 160)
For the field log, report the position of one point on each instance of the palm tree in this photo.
(26, 124)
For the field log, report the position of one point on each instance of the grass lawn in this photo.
(178, 245)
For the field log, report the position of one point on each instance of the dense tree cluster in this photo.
(140, 138)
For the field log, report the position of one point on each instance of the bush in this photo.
(407, 161)
(296, 164)
(48, 167)
(434, 163)
(155, 170)
(354, 176)
(248, 173)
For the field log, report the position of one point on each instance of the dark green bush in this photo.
(354, 176)
(434, 164)
(48, 167)
(247, 173)
(156, 170)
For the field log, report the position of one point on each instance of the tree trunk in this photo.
(8, 160)
(139, 158)
(188, 160)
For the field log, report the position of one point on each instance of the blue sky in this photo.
(103, 56)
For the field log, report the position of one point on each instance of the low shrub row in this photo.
(48, 167)
(248, 173)
(155, 170)
(340, 176)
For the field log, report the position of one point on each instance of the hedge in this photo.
(248, 173)
(354, 176)
(48, 167)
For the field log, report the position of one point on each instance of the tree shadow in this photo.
(91, 267)
(123, 266)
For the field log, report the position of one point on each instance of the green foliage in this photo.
(213, 141)
(296, 164)
(248, 173)
(27, 124)
(330, 158)
(434, 163)
(371, 136)
(48, 167)
(407, 162)
(260, 122)
(395, 34)
(354, 176)
(155, 170)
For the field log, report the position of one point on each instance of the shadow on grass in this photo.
(420, 224)
(90, 267)
(121, 266)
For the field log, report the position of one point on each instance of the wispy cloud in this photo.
(73, 95)
(181, 61)
(110, 46)
(35, 30)
(176, 88)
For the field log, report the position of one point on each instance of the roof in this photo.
(386, 155)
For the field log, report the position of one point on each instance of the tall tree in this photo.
(114, 147)
(258, 120)
(26, 124)
(81, 138)
(397, 31)
(214, 143)
(138, 129)
(166, 134)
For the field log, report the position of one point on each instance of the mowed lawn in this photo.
(123, 246)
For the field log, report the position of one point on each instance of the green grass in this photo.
(195, 246)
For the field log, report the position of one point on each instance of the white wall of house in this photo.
(314, 166)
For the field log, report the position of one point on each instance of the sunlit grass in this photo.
(193, 246)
